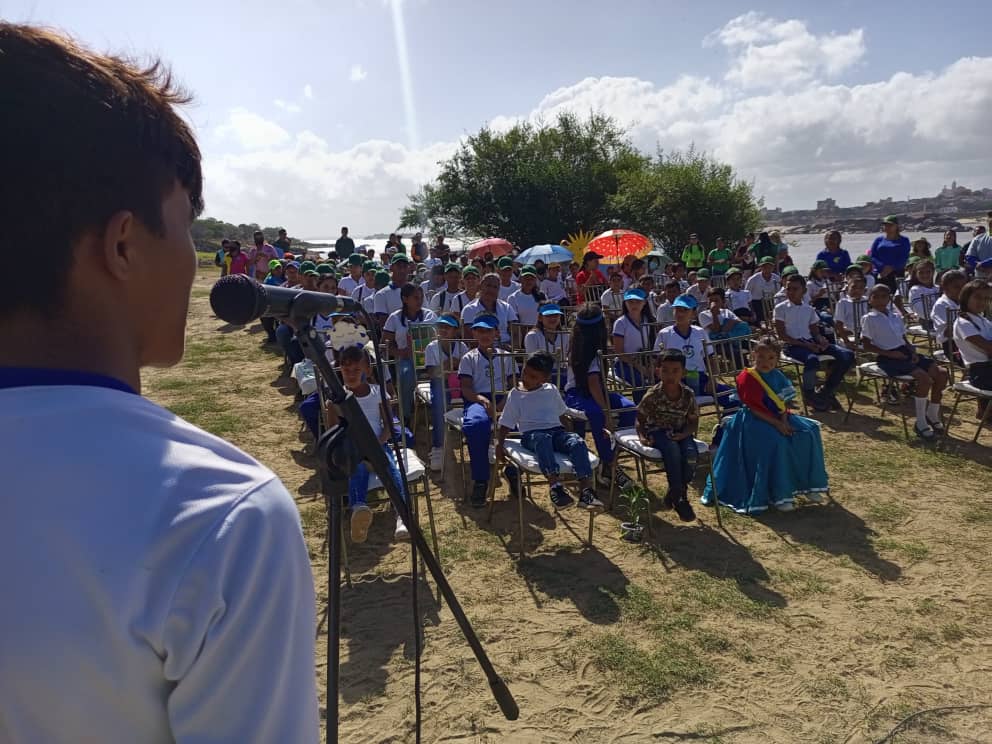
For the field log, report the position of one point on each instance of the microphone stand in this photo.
(339, 450)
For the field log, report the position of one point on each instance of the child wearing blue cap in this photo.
(633, 333)
(547, 336)
(691, 340)
(478, 370)
(441, 360)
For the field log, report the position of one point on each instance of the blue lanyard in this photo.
(15, 377)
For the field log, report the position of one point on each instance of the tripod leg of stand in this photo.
(344, 557)
(334, 543)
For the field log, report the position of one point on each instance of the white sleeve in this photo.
(379, 303)
(432, 355)
(779, 312)
(659, 342)
(465, 366)
(866, 324)
(238, 641)
(511, 411)
(434, 303)
(511, 315)
(560, 408)
(429, 316)
(392, 322)
(469, 312)
(532, 343)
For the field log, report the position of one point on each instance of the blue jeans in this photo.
(477, 429)
(438, 407)
(597, 419)
(310, 412)
(843, 361)
(407, 382)
(285, 337)
(545, 442)
(680, 459)
(358, 484)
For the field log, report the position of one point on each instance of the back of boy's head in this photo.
(671, 355)
(795, 279)
(952, 277)
(541, 361)
(879, 289)
(716, 292)
(351, 355)
(768, 342)
(673, 284)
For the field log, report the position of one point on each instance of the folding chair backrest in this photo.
(902, 288)
(631, 387)
(517, 333)
(768, 308)
(835, 290)
(592, 292)
(860, 310)
(726, 357)
(718, 281)
(420, 335)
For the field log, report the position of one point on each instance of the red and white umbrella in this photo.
(615, 245)
(496, 246)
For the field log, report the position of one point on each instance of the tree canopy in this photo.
(209, 231)
(536, 183)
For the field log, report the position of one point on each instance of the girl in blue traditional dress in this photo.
(767, 456)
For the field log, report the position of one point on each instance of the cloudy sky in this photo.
(318, 113)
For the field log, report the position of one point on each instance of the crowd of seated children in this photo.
(883, 333)
(667, 420)
(767, 455)
(535, 408)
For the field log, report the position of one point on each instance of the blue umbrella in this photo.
(547, 253)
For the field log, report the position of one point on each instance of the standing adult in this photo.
(344, 246)
(178, 601)
(588, 275)
(836, 258)
(764, 248)
(719, 258)
(260, 255)
(889, 253)
(282, 243)
(980, 248)
(442, 248)
(222, 259)
(418, 248)
(694, 255)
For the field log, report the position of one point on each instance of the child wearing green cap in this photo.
(349, 283)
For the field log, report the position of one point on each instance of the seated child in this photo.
(691, 340)
(738, 299)
(767, 456)
(667, 420)
(973, 335)
(850, 310)
(441, 359)
(951, 282)
(798, 325)
(717, 320)
(535, 408)
(478, 370)
(924, 287)
(884, 334)
(699, 290)
(665, 312)
(612, 298)
(355, 372)
(868, 271)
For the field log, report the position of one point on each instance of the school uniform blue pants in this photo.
(544, 443)
(287, 342)
(358, 484)
(632, 375)
(438, 407)
(408, 384)
(843, 361)
(597, 419)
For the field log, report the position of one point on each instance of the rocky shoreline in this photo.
(933, 224)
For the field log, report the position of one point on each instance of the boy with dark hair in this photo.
(157, 605)
(536, 409)
(667, 420)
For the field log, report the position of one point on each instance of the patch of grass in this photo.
(831, 687)
(899, 660)
(711, 641)
(721, 594)
(952, 632)
(978, 514)
(208, 413)
(638, 605)
(649, 674)
(170, 384)
(216, 353)
(921, 633)
(914, 551)
(801, 584)
(927, 606)
(888, 513)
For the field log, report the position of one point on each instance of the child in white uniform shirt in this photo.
(547, 335)
(691, 340)
(701, 288)
(396, 335)
(951, 282)
(850, 310)
(738, 300)
(528, 298)
(449, 299)
(349, 284)
(535, 408)
(441, 359)
(612, 299)
(884, 334)
(762, 285)
(973, 335)
(924, 287)
(551, 284)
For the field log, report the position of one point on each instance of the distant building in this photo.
(949, 209)
(826, 205)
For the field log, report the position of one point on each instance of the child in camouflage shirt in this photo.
(667, 420)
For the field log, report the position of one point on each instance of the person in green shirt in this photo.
(719, 258)
(948, 256)
(694, 255)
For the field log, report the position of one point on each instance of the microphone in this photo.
(239, 299)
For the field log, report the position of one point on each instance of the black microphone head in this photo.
(237, 299)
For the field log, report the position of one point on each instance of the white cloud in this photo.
(308, 91)
(770, 53)
(290, 108)
(357, 74)
(251, 131)
(908, 134)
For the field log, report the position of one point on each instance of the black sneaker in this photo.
(588, 501)
(622, 479)
(683, 508)
(480, 494)
(560, 497)
(512, 479)
(817, 402)
(667, 503)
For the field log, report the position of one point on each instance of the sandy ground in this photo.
(830, 625)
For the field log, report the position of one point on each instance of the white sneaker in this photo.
(437, 459)
(401, 533)
(361, 520)
(785, 506)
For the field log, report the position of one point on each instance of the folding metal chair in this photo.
(593, 292)
(725, 359)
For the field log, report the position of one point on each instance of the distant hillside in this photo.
(208, 232)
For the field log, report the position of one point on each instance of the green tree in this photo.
(679, 193)
(531, 184)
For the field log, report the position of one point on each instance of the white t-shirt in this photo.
(698, 294)
(916, 294)
(530, 410)
(387, 300)
(535, 340)
(553, 290)
(433, 354)
(570, 375)
(505, 292)
(844, 311)
(665, 313)
(611, 300)
(783, 296)
(525, 306)
(156, 585)
(761, 288)
(347, 285)
(430, 289)
(939, 318)
(693, 347)
(363, 293)
(814, 287)
(504, 314)
(973, 325)
(395, 324)
(476, 366)
(884, 331)
(372, 408)
(706, 317)
(635, 337)
(446, 301)
(738, 299)
(797, 319)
